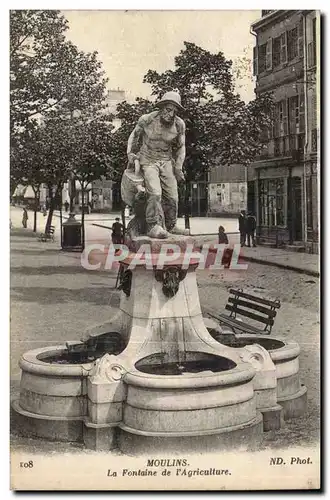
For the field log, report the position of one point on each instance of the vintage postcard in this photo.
(164, 234)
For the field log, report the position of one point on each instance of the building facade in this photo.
(283, 181)
(227, 190)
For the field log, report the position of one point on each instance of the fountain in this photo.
(156, 378)
(159, 376)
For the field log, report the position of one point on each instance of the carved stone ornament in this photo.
(171, 278)
(126, 282)
(105, 369)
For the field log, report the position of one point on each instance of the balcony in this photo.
(287, 146)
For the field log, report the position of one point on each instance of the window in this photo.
(281, 119)
(262, 57)
(311, 48)
(272, 202)
(269, 47)
(283, 48)
(277, 51)
(314, 140)
(294, 115)
(292, 44)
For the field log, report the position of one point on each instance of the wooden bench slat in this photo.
(272, 303)
(248, 314)
(251, 305)
(223, 318)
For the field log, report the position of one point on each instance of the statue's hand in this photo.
(131, 160)
(179, 175)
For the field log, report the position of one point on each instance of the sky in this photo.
(131, 42)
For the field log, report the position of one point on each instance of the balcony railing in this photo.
(286, 146)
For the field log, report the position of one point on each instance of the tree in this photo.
(48, 72)
(220, 127)
(91, 159)
(52, 84)
(26, 164)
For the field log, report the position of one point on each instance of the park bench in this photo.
(48, 235)
(243, 304)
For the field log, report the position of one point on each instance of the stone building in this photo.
(227, 190)
(283, 181)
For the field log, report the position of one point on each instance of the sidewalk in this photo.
(294, 261)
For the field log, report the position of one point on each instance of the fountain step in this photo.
(247, 436)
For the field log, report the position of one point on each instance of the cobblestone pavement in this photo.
(54, 299)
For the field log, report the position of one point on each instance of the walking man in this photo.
(242, 227)
(25, 218)
(251, 225)
(158, 142)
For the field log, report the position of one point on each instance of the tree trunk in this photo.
(82, 215)
(36, 207)
(72, 192)
(52, 205)
(51, 208)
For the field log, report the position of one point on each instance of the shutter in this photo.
(269, 47)
(255, 60)
(302, 113)
(285, 116)
(301, 38)
(276, 123)
(284, 55)
(292, 124)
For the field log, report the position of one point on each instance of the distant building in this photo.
(227, 190)
(283, 181)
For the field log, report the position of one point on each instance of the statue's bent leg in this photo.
(154, 210)
(169, 194)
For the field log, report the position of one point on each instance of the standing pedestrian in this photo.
(117, 232)
(251, 225)
(223, 238)
(242, 227)
(228, 252)
(66, 205)
(25, 218)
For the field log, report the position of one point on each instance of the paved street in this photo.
(54, 299)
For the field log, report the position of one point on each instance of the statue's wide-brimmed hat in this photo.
(173, 98)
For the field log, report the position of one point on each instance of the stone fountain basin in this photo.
(291, 394)
(50, 388)
(189, 401)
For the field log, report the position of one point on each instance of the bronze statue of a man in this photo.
(158, 142)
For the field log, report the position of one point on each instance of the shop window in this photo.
(272, 202)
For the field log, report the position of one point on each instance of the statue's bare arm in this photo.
(134, 140)
(180, 153)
